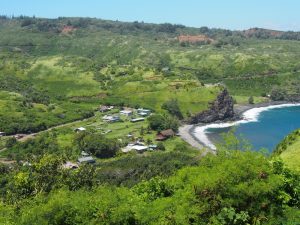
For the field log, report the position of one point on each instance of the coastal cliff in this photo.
(221, 109)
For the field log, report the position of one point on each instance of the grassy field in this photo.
(289, 150)
(291, 155)
(65, 81)
(191, 96)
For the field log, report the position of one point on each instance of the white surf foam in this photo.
(251, 115)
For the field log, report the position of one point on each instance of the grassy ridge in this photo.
(289, 150)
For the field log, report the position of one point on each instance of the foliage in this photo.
(160, 146)
(45, 143)
(288, 149)
(128, 171)
(160, 122)
(173, 108)
(214, 192)
(96, 144)
(251, 100)
(278, 94)
(10, 142)
(286, 142)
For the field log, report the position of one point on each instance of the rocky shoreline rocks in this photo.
(220, 110)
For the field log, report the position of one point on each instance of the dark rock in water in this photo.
(221, 109)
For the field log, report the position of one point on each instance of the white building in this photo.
(137, 147)
(126, 112)
(80, 129)
(111, 118)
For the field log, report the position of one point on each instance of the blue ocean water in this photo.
(272, 126)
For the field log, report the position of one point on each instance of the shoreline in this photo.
(240, 109)
(195, 133)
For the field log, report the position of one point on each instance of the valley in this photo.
(97, 120)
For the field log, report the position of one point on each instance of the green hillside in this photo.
(289, 150)
(235, 187)
(72, 65)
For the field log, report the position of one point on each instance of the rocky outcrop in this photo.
(220, 110)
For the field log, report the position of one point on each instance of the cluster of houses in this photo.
(139, 147)
(136, 115)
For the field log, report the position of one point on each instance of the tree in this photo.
(96, 144)
(84, 176)
(278, 94)
(160, 146)
(10, 142)
(156, 122)
(251, 100)
(153, 189)
(142, 131)
(172, 107)
(46, 173)
(171, 122)
(159, 122)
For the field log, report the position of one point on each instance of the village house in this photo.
(111, 119)
(166, 69)
(137, 120)
(143, 112)
(79, 129)
(84, 154)
(105, 108)
(165, 134)
(106, 132)
(126, 112)
(138, 147)
(129, 136)
(70, 165)
(26, 163)
(2, 134)
(87, 159)
(152, 147)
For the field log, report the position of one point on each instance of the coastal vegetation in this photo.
(289, 150)
(214, 192)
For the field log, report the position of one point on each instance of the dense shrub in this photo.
(97, 144)
(173, 108)
(160, 122)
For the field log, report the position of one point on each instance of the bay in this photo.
(266, 131)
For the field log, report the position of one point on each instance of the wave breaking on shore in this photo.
(251, 115)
